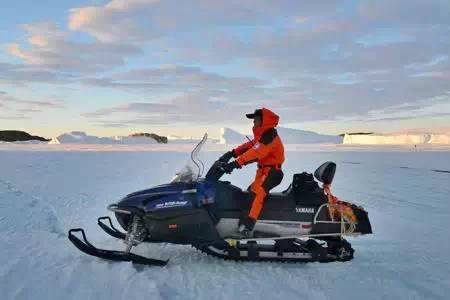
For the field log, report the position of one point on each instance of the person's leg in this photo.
(268, 179)
(246, 224)
(265, 180)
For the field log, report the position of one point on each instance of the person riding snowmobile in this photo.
(267, 150)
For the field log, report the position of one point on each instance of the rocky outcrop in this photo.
(19, 136)
(158, 138)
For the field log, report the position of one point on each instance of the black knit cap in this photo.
(258, 112)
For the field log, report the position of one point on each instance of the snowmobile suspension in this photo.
(136, 233)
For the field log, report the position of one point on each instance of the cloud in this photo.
(19, 74)
(431, 107)
(28, 110)
(141, 20)
(14, 108)
(406, 11)
(14, 117)
(133, 107)
(210, 98)
(97, 20)
(175, 78)
(49, 48)
(41, 104)
(309, 61)
(200, 107)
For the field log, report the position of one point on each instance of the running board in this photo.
(86, 247)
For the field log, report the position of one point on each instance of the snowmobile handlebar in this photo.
(215, 172)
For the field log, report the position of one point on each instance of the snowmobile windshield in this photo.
(194, 168)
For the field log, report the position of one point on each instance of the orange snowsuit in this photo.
(267, 150)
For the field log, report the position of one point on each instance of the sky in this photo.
(189, 67)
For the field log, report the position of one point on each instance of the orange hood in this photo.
(269, 120)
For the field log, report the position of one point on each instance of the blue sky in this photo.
(171, 67)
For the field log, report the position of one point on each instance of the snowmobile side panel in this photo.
(183, 226)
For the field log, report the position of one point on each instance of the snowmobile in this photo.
(304, 223)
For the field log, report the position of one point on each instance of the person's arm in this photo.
(243, 148)
(257, 152)
(236, 152)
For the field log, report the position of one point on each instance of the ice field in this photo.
(45, 193)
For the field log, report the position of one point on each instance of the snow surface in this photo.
(288, 136)
(45, 193)
(397, 139)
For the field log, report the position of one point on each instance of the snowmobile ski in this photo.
(86, 247)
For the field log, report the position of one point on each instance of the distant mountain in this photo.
(158, 138)
(19, 136)
(288, 136)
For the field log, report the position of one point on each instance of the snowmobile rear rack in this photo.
(347, 228)
(86, 247)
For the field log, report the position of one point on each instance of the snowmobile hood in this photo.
(269, 120)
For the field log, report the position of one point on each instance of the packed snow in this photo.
(45, 193)
(288, 136)
(397, 139)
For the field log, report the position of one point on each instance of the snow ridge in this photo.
(80, 137)
(397, 139)
(287, 135)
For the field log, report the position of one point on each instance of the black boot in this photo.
(245, 228)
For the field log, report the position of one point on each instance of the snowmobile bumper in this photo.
(86, 247)
(111, 230)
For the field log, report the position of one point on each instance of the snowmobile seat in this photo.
(304, 190)
(279, 201)
(274, 200)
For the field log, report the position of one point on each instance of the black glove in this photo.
(227, 156)
(229, 167)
